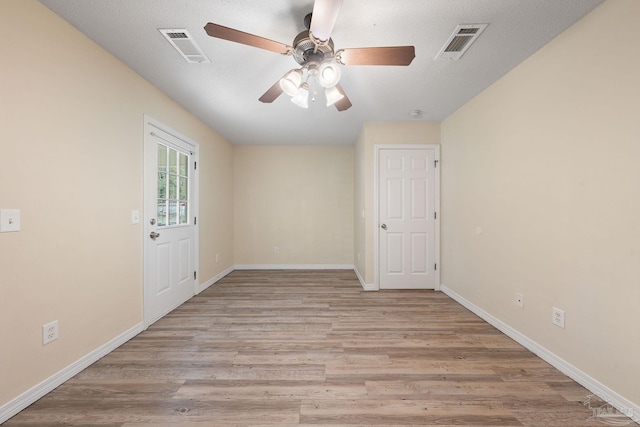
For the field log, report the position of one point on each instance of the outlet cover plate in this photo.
(557, 317)
(49, 332)
(9, 220)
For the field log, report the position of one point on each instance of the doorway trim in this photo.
(376, 205)
(149, 125)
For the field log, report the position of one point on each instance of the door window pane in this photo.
(162, 185)
(184, 189)
(184, 164)
(183, 213)
(162, 212)
(162, 158)
(173, 161)
(173, 187)
(173, 212)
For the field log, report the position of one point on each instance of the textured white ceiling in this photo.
(224, 94)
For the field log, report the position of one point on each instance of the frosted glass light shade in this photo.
(328, 74)
(290, 83)
(333, 95)
(302, 98)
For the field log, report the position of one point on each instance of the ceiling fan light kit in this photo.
(314, 50)
(296, 83)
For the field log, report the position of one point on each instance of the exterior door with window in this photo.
(170, 229)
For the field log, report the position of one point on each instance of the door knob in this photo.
(383, 226)
(154, 235)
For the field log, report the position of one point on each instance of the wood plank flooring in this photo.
(310, 348)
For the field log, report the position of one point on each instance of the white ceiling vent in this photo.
(460, 40)
(182, 41)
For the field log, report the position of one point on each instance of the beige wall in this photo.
(216, 220)
(298, 198)
(71, 141)
(372, 134)
(546, 163)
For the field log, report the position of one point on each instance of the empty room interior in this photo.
(136, 177)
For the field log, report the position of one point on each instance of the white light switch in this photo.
(135, 217)
(9, 220)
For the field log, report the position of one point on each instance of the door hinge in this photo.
(195, 220)
(195, 165)
(194, 275)
(435, 266)
(435, 163)
(435, 215)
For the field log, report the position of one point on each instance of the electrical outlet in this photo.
(49, 332)
(9, 220)
(520, 300)
(276, 250)
(558, 317)
(217, 257)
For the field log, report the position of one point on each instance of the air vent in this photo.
(180, 35)
(460, 40)
(182, 41)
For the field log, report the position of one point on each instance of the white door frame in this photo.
(376, 204)
(149, 125)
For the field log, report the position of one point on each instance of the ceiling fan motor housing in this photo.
(306, 51)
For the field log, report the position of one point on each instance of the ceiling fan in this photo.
(314, 51)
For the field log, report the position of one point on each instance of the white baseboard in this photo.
(619, 402)
(16, 405)
(294, 267)
(365, 286)
(213, 280)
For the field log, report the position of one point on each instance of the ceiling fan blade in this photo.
(272, 94)
(393, 55)
(344, 103)
(226, 33)
(323, 18)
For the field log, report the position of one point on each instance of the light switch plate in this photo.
(9, 220)
(135, 217)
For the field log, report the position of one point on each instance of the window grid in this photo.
(173, 187)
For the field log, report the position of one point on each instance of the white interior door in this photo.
(170, 236)
(407, 218)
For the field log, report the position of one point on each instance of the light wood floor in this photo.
(290, 348)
